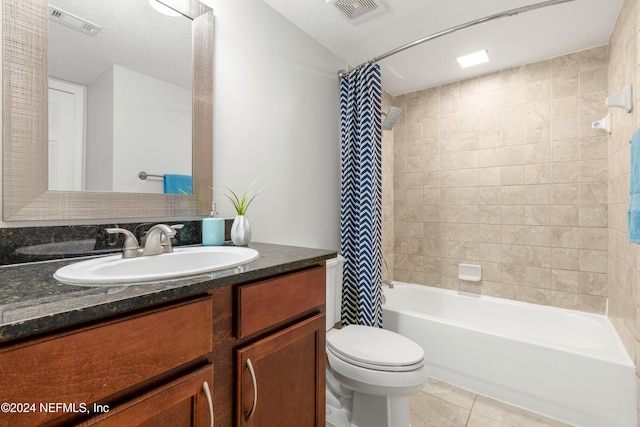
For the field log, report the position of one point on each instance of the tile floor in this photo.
(443, 405)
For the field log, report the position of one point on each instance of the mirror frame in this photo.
(25, 191)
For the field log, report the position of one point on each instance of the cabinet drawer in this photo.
(180, 402)
(89, 364)
(266, 303)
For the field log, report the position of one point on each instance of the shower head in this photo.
(390, 118)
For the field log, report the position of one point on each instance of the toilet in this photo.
(371, 372)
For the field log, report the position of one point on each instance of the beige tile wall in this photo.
(624, 261)
(505, 171)
(387, 195)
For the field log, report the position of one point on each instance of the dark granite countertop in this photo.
(32, 301)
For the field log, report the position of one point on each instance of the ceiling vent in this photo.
(65, 18)
(358, 10)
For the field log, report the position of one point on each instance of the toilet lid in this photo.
(375, 348)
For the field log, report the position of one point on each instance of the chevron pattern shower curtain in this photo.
(361, 196)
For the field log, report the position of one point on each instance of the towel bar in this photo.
(144, 175)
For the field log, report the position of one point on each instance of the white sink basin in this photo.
(183, 262)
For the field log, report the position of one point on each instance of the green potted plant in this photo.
(241, 228)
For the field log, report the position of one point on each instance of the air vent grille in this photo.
(73, 21)
(357, 10)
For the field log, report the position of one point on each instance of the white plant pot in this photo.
(241, 231)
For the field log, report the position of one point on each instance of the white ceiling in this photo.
(133, 35)
(512, 41)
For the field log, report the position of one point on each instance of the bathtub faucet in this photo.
(383, 297)
(388, 283)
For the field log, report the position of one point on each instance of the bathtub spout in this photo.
(388, 283)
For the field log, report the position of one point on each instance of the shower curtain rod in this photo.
(512, 12)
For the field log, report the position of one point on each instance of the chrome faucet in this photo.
(131, 248)
(157, 240)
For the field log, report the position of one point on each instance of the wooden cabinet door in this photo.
(281, 378)
(93, 362)
(179, 403)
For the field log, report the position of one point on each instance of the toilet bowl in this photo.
(371, 372)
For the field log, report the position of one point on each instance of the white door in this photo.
(66, 135)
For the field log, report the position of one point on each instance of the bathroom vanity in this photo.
(245, 345)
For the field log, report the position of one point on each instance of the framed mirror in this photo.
(25, 192)
(120, 96)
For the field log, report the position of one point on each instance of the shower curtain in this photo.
(361, 195)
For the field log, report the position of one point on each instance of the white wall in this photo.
(277, 121)
(136, 123)
(152, 123)
(99, 153)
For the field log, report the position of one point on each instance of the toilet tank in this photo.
(334, 290)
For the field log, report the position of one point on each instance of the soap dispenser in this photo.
(213, 228)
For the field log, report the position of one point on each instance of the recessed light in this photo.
(474, 58)
(165, 10)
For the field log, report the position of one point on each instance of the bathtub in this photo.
(564, 364)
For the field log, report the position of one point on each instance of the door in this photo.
(66, 135)
(282, 378)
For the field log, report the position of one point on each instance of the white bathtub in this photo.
(564, 364)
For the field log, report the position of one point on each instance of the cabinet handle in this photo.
(207, 393)
(249, 414)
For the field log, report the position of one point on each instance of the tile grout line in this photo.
(473, 405)
(475, 396)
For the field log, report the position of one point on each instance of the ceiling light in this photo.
(474, 58)
(165, 10)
